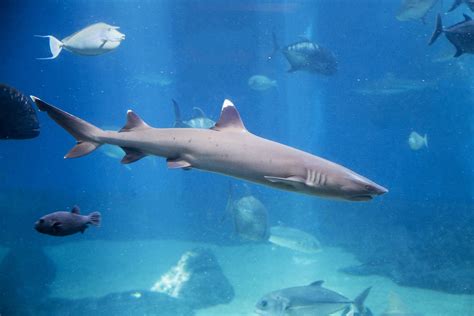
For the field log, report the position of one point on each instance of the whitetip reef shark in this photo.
(227, 148)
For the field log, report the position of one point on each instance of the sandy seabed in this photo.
(96, 268)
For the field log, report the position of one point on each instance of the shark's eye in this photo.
(41, 221)
(368, 187)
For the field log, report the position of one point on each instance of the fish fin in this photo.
(83, 229)
(178, 164)
(425, 140)
(177, 114)
(459, 52)
(103, 43)
(276, 47)
(456, 4)
(94, 219)
(134, 122)
(230, 203)
(359, 300)
(57, 226)
(85, 133)
(438, 29)
(55, 46)
(317, 283)
(467, 17)
(304, 38)
(76, 210)
(199, 112)
(291, 70)
(131, 155)
(291, 181)
(230, 118)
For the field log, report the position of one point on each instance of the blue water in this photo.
(208, 50)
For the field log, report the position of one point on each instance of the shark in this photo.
(228, 148)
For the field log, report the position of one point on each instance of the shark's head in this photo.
(357, 188)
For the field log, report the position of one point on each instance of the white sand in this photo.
(98, 268)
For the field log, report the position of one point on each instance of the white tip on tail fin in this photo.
(425, 139)
(55, 46)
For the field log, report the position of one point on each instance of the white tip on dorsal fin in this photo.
(230, 118)
(134, 122)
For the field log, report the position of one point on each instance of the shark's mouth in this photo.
(361, 197)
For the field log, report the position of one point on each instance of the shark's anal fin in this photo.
(178, 164)
(134, 122)
(131, 155)
(291, 181)
(230, 118)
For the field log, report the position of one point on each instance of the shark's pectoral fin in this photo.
(131, 155)
(178, 164)
(291, 181)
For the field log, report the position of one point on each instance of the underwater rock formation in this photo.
(26, 273)
(117, 304)
(196, 279)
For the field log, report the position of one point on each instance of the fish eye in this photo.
(41, 221)
(263, 303)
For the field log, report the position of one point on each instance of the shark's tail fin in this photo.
(55, 46)
(438, 30)
(359, 301)
(456, 4)
(85, 133)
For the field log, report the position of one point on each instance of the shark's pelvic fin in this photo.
(134, 122)
(131, 155)
(178, 164)
(230, 118)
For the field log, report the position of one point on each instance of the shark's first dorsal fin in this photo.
(134, 122)
(230, 118)
(76, 210)
(317, 283)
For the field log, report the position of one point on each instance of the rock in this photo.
(196, 279)
(118, 304)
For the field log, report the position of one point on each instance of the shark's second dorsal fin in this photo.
(76, 210)
(230, 118)
(134, 122)
(317, 283)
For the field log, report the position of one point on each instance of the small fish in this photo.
(199, 119)
(95, 39)
(414, 9)
(457, 3)
(390, 85)
(64, 223)
(312, 299)
(416, 141)
(461, 35)
(261, 83)
(294, 239)
(162, 79)
(18, 119)
(305, 55)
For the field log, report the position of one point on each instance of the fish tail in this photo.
(425, 140)
(86, 134)
(359, 300)
(95, 218)
(438, 30)
(55, 46)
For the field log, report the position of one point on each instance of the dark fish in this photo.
(312, 299)
(457, 3)
(307, 56)
(18, 118)
(199, 119)
(461, 35)
(66, 223)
